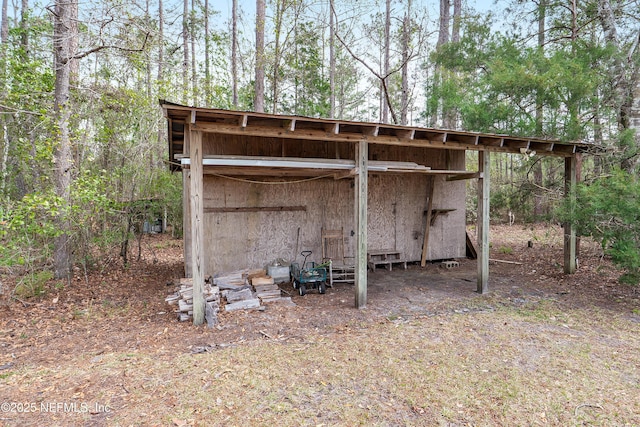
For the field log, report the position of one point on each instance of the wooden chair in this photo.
(341, 268)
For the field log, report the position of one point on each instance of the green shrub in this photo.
(33, 285)
(609, 211)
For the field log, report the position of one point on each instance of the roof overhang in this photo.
(257, 125)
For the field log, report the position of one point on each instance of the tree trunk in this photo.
(192, 39)
(448, 119)
(23, 26)
(207, 61)
(65, 42)
(457, 20)
(160, 42)
(4, 35)
(147, 17)
(386, 66)
(276, 54)
(234, 53)
(4, 27)
(332, 63)
(443, 32)
(185, 47)
(626, 84)
(598, 139)
(161, 128)
(406, 33)
(258, 103)
(537, 168)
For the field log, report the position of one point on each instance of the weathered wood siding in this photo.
(396, 218)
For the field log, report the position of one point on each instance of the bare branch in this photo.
(374, 72)
(119, 48)
(14, 110)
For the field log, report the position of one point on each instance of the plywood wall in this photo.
(396, 219)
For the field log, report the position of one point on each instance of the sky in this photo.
(248, 6)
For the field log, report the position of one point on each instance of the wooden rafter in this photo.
(227, 122)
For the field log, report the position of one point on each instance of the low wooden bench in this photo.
(385, 257)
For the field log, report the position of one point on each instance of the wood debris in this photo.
(242, 290)
(267, 290)
(183, 298)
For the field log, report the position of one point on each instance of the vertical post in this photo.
(197, 230)
(186, 220)
(484, 167)
(570, 179)
(186, 208)
(360, 202)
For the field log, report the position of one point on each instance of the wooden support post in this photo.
(186, 222)
(483, 221)
(186, 211)
(427, 228)
(570, 179)
(197, 225)
(360, 202)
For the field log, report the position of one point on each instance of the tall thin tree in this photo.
(258, 102)
(65, 44)
(192, 39)
(386, 67)
(4, 35)
(457, 21)
(234, 53)
(537, 168)
(443, 39)
(207, 60)
(160, 41)
(24, 39)
(625, 77)
(280, 6)
(161, 133)
(406, 34)
(332, 62)
(185, 48)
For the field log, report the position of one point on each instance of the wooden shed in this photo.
(258, 187)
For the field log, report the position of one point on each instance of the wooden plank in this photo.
(570, 180)
(270, 293)
(483, 221)
(427, 227)
(267, 288)
(184, 306)
(256, 209)
(463, 176)
(197, 225)
(471, 249)
(360, 194)
(259, 281)
(504, 261)
(239, 295)
(243, 305)
(211, 315)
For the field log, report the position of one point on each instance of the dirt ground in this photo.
(122, 310)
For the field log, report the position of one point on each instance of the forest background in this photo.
(83, 160)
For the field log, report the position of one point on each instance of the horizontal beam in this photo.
(272, 164)
(264, 125)
(256, 209)
(466, 175)
(459, 143)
